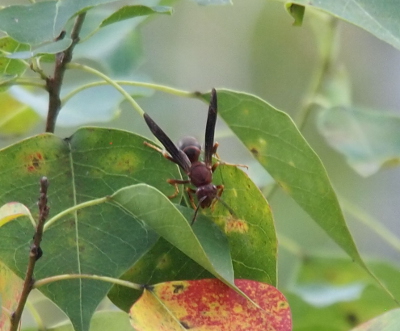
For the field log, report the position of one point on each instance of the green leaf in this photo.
(49, 48)
(274, 140)
(388, 321)
(102, 239)
(128, 12)
(101, 321)
(9, 68)
(250, 230)
(145, 203)
(377, 17)
(368, 139)
(297, 12)
(41, 22)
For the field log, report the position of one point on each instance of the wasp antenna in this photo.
(197, 210)
(226, 206)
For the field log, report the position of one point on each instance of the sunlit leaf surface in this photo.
(208, 304)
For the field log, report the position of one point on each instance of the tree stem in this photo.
(53, 84)
(34, 254)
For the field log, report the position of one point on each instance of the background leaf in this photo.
(386, 322)
(15, 118)
(128, 12)
(368, 139)
(102, 320)
(377, 17)
(213, 2)
(335, 294)
(49, 48)
(103, 105)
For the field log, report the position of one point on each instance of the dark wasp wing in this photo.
(210, 128)
(179, 157)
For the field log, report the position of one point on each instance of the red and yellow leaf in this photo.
(209, 304)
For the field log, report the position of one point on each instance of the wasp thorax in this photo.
(200, 174)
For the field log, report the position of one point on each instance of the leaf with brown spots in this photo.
(102, 239)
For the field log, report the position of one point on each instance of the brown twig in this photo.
(34, 254)
(53, 84)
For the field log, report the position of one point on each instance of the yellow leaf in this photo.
(13, 210)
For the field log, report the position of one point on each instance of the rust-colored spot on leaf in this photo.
(163, 262)
(34, 162)
(125, 163)
(236, 225)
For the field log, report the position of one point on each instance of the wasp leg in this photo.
(220, 189)
(190, 193)
(164, 153)
(175, 183)
(215, 165)
(214, 151)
